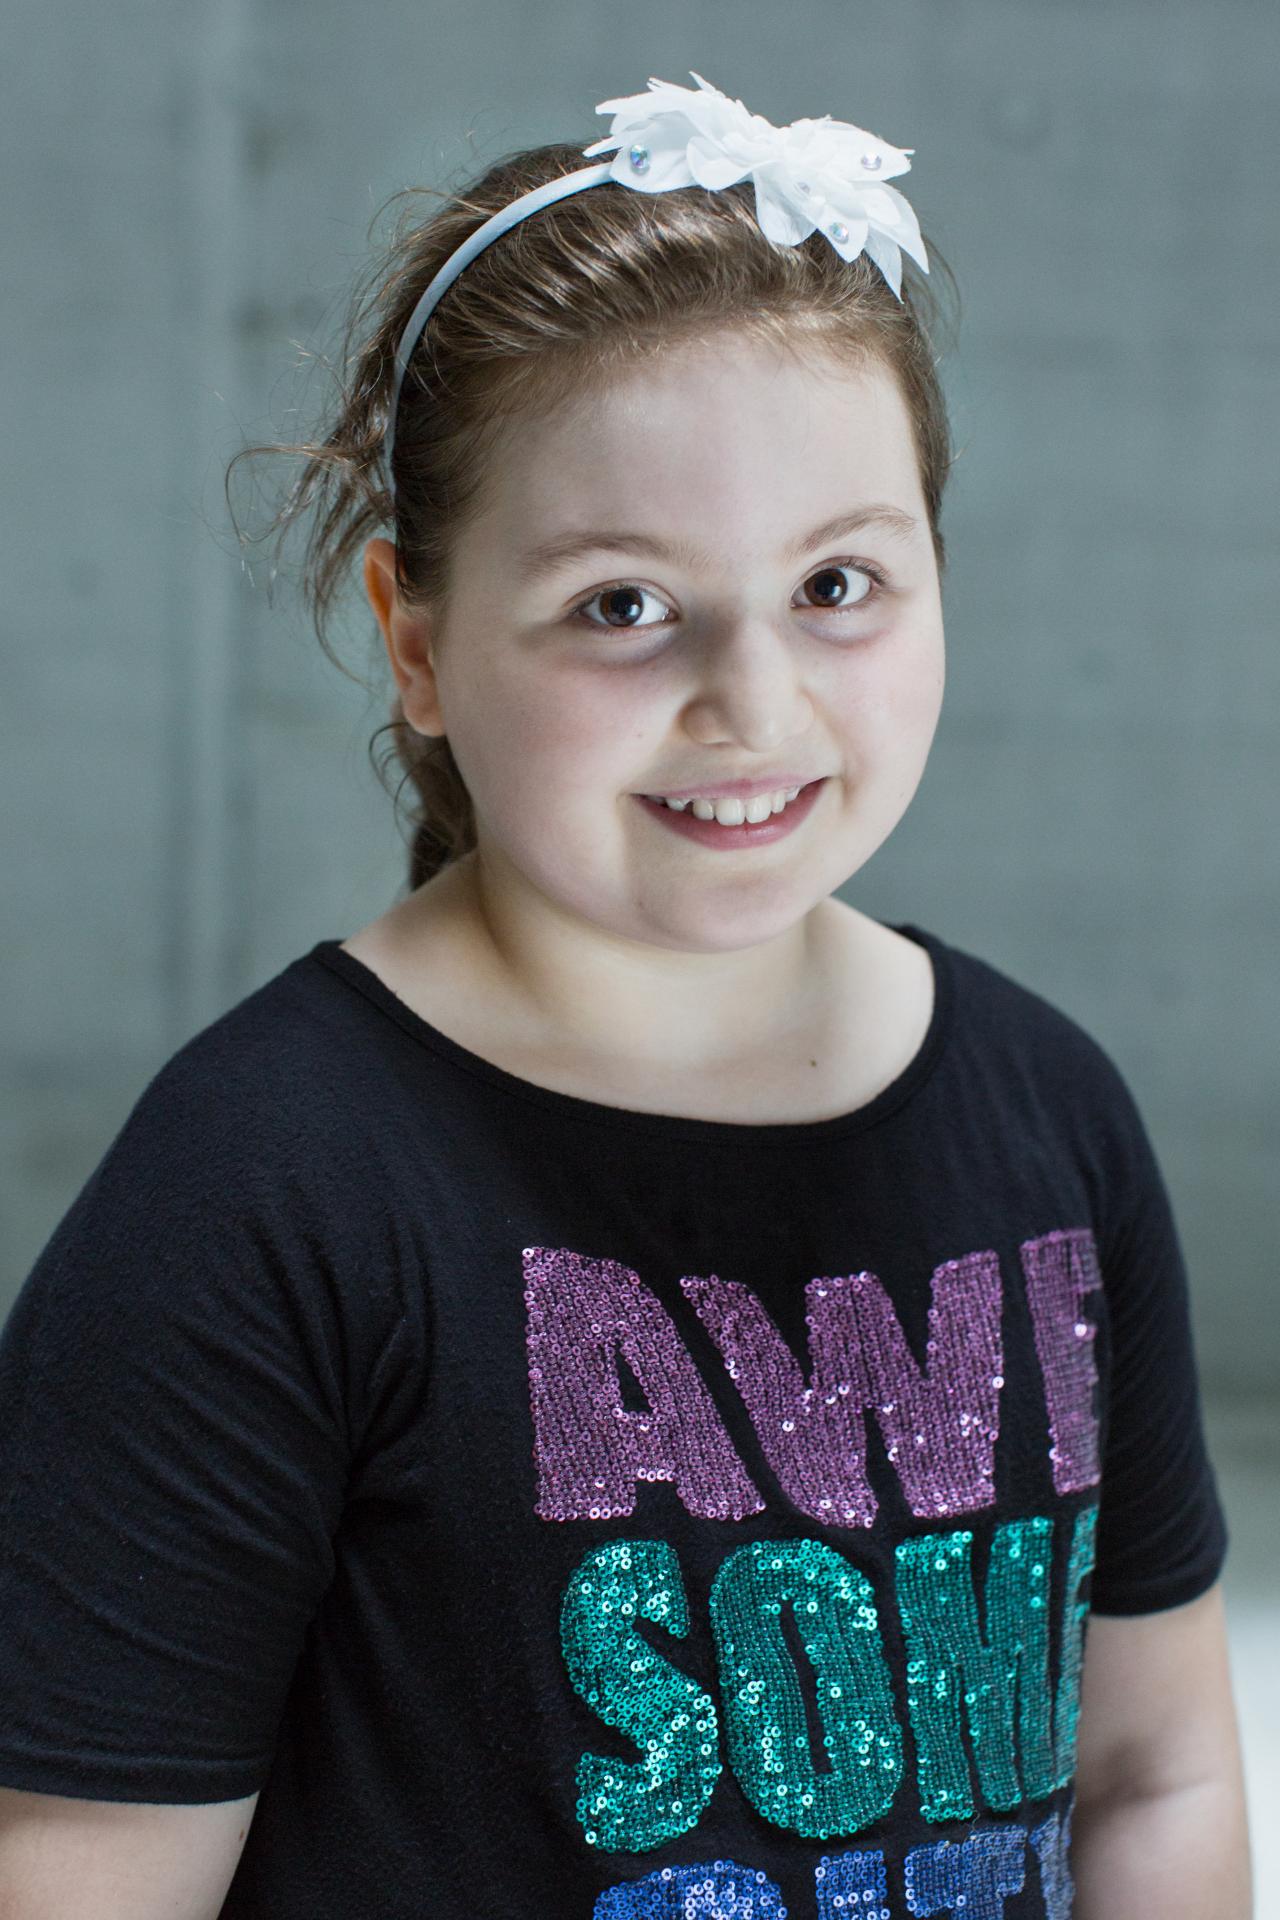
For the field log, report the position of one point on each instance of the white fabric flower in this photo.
(814, 173)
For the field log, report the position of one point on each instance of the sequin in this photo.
(971, 1878)
(1060, 1268)
(852, 1886)
(954, 1676)
(833, 1608)
(637, 1804)
(589, 1449)
(940, 1421)
(1052, 1842)
(1075, 1610)
(712, 1890)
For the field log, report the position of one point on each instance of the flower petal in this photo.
(882, 207)
(842, 146)
(887, 257)
(709, 139)
(849, 248)
(907, 233)
(711, 166)
(780, 220)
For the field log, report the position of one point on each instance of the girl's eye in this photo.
(627, 597)
(836, 597)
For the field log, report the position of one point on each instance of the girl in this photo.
(626, 1387)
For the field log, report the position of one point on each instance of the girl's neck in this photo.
(822, 1048)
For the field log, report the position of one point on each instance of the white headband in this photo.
(814, 173)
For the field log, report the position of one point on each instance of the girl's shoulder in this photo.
(273, 1064)
(1020, 1047)
(905, 982)
(1007, 1015)
(252, 1125)
(244, 1187)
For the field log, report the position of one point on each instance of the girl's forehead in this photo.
(697, 439)
(733, 376)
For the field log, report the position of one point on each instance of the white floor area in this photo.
(1244, 1440)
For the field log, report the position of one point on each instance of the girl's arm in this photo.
(1160, 1825)
(65, 1859)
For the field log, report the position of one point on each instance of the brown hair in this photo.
(595, 282)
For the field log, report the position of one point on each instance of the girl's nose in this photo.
(749, 687)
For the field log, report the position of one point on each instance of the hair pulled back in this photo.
(582, 289)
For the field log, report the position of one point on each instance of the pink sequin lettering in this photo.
(1060, 1268)
(939, 1421)
(589, 1448)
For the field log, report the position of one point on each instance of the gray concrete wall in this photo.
(183, 775)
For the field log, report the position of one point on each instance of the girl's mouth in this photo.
(710, 833)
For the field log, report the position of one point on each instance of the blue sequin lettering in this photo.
(971, 1878)
(1052, 1842)
(854, 1884)
(715, 1890)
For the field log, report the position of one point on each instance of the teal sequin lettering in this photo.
(833, 1607)
(637, 1804)
(1074, 1610)
(950, 1668)
(1019, 1578)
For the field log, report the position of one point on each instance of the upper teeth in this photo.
(732, 812)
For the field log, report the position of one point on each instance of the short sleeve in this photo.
(173, 1457)
(1161, 1533)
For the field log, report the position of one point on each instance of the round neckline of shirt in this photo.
(570, 1106)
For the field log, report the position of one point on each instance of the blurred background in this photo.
(184, 774)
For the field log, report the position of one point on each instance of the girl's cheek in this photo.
(528, 753)
(590, 715)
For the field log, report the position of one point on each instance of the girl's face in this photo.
(713, 626)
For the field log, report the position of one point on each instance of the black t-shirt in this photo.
(561, 1511)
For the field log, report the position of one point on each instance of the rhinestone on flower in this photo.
(838, 230)
(873, 162)
(639, 158)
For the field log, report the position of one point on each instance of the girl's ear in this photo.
(407, 636)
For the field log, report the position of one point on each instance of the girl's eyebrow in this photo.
(550, 555)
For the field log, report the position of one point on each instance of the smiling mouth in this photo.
(712, 831)
(703, 807)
